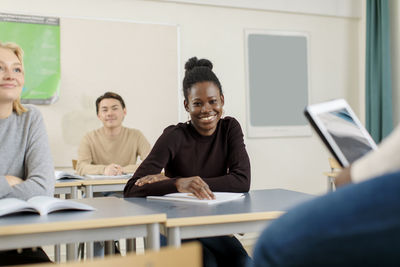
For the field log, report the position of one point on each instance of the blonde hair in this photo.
(17, 50)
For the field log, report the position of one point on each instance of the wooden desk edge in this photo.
(81, 225)
(68, 184)
(217, 219)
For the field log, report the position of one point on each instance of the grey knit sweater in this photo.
(25, 153)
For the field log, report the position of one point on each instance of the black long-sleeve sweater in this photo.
(220, 160)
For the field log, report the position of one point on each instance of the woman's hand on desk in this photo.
(196, 186)
(149, 179)
(13, 180)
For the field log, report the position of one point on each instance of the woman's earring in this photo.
(188, 120)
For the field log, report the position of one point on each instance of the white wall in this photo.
(341, 8)
(217, 33)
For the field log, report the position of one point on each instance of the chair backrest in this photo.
(187, 255)
(74, 162)
(335, 170)
(335, 166)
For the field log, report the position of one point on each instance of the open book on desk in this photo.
(100, 176)
(66, 175)
(220, 197)
(39, 204)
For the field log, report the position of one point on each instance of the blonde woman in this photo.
(26, 167)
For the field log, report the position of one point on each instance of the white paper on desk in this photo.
(220, 197)
(123, 176)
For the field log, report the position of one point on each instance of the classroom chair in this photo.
(74, 162)
(187, 255)
(335, 170)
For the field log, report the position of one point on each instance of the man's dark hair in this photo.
(109, 95)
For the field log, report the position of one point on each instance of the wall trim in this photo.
(337, 8)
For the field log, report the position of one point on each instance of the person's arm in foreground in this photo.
(384, 160)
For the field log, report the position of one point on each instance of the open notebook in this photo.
(39, 204)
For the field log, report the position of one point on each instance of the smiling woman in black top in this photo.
(205, 154)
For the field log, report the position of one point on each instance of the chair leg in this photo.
(131, 244)
(81, 251)
(109, 248)
(331, 184)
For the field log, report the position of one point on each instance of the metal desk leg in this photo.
(89, 245)
(89, 191)
(174, 237)
(57, 253)
(331, 183)
(72, 250)
(74, 192)
(57, 247)
(153, 236)
(89, 250)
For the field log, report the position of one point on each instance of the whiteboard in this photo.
(277, 75)
(139, 61)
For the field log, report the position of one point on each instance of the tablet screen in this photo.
(346, 133)
(341, 130)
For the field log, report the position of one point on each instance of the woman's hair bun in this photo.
(194, 62)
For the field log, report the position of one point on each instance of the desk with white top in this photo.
(113, 218)
(249, 214)
(92, 185)
(68, 187)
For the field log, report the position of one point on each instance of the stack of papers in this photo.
(220, 197)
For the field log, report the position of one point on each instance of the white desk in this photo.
(114, 218)
(68, 187)
(251, 214)
(103, 185)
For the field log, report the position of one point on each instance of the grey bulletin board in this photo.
(277, 83)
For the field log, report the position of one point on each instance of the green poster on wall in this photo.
(39, 37)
